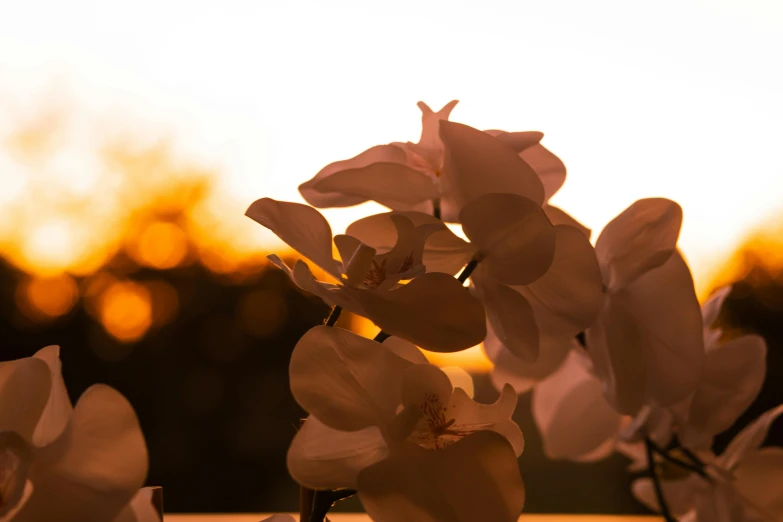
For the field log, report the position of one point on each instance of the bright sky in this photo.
(675, 98)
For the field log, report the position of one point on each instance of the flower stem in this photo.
(667, 515)
(436, 208)
(382, 336)
(469, 268)
(323, 500)
(333, 316)
(695, 466)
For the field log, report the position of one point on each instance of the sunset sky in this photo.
(680, 99)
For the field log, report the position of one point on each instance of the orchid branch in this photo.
(695, 466)
(649, 446)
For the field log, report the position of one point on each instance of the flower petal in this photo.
(550, 169)
(140, 509)
(642, 237)
(471, 416)
(679, 494)
(316, 196)
(475, 479)
(510, 315)
(347, 381)
(301, 227)
(647, 345)
(430, 145)
(568, 297)
(15, 458)
(321, 457)
(521, 375)
(518, 141)
(394, 185)
(513, 235)
(732, 378)
(559, 216)
(749, 439)
(572, 414)
(475, 164)
(58, 409)
(757, 478)
(443, 250)
(433, 311)
(405, 349)
(25, 385)
(93, 470)
(711, 309)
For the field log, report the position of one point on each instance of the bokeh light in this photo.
(126, 311)
(45, 298)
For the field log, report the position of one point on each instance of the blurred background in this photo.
(134, 135)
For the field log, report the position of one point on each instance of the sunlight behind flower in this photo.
(126, 311)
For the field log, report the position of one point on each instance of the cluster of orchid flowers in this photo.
(609, 339)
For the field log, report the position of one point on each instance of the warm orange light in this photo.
(126, 311)
(161, 245)
(46, 298)
(262, 312)
(165, 302)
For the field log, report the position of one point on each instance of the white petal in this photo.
(642, 237)
(394, 185)
(518, 141)
(141, 508)
(560, 217)
(405, 349)
(749, 439)
(429, 143)
(324, 458)
(679, 494)
(443, 250)
(15, 458)
(513, 235)
(571, 413)
(475, 163)
(474, 479)
(347, 381)
(24, 391)
(318, 198)
(757, 478)
(568, 297)
(331, 294)
(549, 168)
(93, 470)
(522, 376)
(647, 345)
(732, 378)
(510, 315)
(711, 308)
(301, 227)
(58, 408)
(434, 311)
(471, 416)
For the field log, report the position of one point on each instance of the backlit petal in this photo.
(559, 216)
(24, 391)
(549, 168)
(749, 439)
(95, 468)
(757, 478)
(569, 296)
(642, 237)
(513, 235)
(347, 381)
(470, 416)
(15, 458)
(475, 164)
(321, 457)
(475, 479)
(647, 345)
(318, 198)
(301, 227)
(433, 311)
(572, 414)
(140, 509)
(58, 408)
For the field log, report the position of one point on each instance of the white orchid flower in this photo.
(433, 310)
(647, 344)
(408, 176)
(80, 464)
(388, 424)
(742, 484)
(540, 283)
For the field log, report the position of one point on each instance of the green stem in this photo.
(667, 515)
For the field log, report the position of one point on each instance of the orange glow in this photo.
(47, 298)
(160, 245)
(126, 311)
(165, 302)
(262, 312)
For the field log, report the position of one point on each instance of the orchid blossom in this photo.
(540, 283)
(412, 176)
(68, 463)
(433, 310)
(387, 423)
